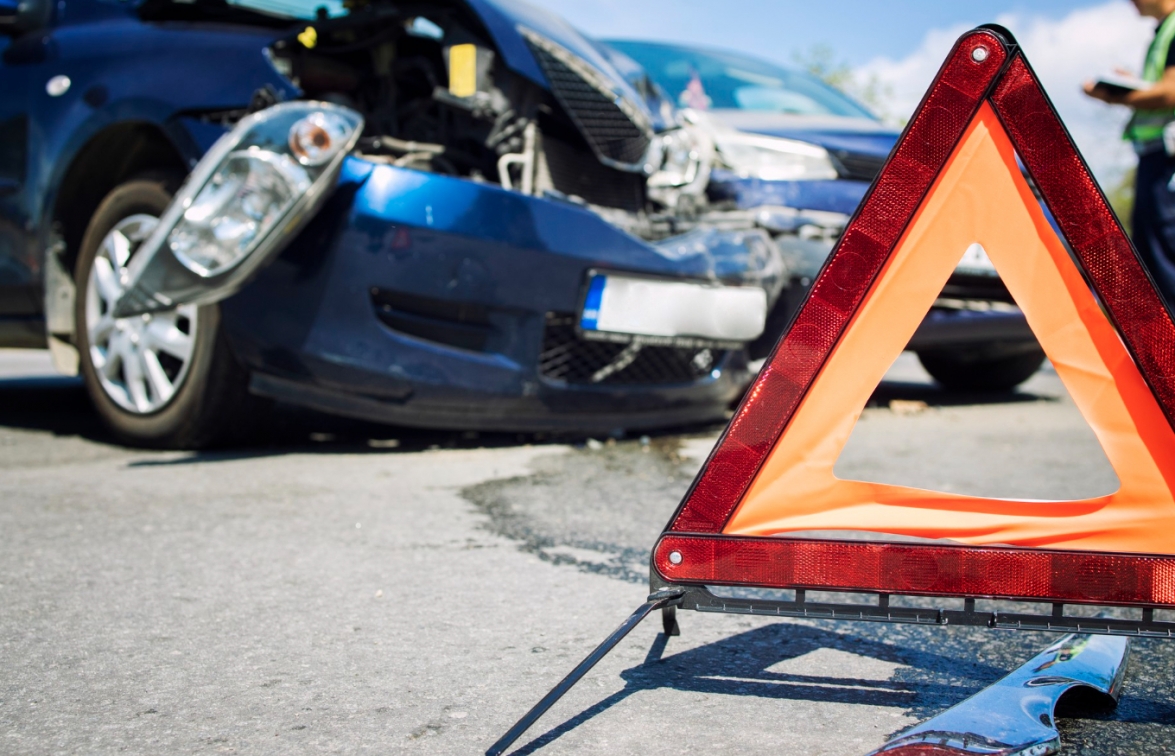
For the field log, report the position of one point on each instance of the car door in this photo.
(21, 49)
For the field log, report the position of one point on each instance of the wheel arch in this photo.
(114, 155)
(110, 157)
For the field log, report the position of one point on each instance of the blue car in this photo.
(800, 155)
(460, 214)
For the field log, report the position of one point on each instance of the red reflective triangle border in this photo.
(1001, 75)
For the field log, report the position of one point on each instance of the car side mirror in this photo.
(20, 16)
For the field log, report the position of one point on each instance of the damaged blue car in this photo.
(458, 214)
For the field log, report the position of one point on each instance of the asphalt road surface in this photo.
(344, 588)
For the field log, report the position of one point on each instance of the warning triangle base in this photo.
(880, 608)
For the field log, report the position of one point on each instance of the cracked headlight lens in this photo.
(242, 201)
(773, 158)
(245, 199)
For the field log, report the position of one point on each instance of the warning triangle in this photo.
(952, 182)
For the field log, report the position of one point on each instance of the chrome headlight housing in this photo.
(675, 160)
(679, 163)
(242, 201)
(255, 189)
(774, 158)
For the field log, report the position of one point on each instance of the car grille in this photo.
(576, 172)
(615, 129)
(858, 166)
(568, 358)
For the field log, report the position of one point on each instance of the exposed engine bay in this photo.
(437, 97)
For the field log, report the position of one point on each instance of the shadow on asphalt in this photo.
(59, 405)
(740, 665)
(53, 404)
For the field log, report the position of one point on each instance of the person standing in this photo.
(1153, 219)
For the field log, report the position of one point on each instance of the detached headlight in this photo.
(251, 193)
(773, 158)
(244, 200)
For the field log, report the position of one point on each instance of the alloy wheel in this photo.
(140, 361)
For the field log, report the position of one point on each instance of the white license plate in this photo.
(649, 307)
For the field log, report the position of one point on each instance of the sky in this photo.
(901, 45)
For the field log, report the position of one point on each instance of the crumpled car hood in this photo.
(502, 19)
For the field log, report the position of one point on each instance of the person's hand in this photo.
(1101, 92)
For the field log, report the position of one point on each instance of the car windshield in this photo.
(307, 9)
(709, 79)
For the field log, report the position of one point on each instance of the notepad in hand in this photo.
(1121, 84)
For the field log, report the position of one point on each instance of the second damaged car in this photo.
(800, 156)
(454, 215)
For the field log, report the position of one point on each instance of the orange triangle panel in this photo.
(953, 181)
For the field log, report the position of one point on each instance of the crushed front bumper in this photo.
(424, 300)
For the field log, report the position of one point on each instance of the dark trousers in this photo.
(1154, 221)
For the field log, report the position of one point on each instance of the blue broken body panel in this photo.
(832, 195)
(310, 328)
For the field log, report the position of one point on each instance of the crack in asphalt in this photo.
(555, 512)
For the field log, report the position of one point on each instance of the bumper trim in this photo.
(510, 415)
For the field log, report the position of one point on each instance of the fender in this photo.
(126, 71)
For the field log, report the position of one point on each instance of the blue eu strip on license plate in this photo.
(589, 321)
(666, 308)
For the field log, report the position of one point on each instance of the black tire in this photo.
(211, 404)
(983, 369)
